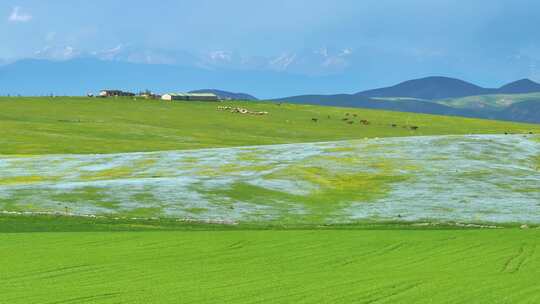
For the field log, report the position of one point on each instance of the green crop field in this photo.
(182, 205)
(379, 265)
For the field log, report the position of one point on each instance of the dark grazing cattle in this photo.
(315, 119)
(414, 128)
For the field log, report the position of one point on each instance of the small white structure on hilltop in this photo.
(190, 96)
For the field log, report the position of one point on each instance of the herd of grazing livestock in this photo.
(351, 119)
(241, 110)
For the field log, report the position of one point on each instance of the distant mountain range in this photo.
(441, 95)
(432, 95)
(428, 88)
(445, 87)
(526, 111)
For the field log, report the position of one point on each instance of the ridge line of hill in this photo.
(434, 95)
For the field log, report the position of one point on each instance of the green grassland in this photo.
(83, 125)
(384, 264)
(118, 260)
(492, 102)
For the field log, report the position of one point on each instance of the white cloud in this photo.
(346, 52)
(109, 54)
(283, 62)
(18, 16)
(57, 53)
(221, 56)
(335, 63)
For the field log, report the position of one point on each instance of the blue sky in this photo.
(376, 42)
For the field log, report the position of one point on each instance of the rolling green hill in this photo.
(84, 125)
(493, 102)
(309, 184)
(428, 219)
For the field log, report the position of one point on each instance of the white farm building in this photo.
(190, 96)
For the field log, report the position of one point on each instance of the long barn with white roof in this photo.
(190, 96)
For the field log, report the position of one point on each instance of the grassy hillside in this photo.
(316, 183)
(489, 102)
(318, 266)
(296, 256)
(83, 125)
